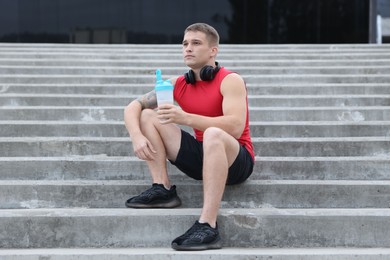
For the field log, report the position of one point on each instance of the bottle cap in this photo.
(158, 76)
(160, 84)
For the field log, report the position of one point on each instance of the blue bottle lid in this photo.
(160, 84)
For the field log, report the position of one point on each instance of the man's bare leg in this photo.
(220, 151)
(166, 141)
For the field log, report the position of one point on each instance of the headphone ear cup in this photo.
(207, 73)
(190, 77)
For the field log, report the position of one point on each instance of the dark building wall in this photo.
(300, 21)
(163, 21)
(384, 8)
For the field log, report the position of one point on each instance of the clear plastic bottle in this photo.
(164, 90)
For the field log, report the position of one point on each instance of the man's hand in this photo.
(143, 149)
(168, 113)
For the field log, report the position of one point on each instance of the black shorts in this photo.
(190, 161)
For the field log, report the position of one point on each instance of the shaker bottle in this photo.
(164, 90)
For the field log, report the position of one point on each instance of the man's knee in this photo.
(216, 139)
(147, 116)
(213, 136)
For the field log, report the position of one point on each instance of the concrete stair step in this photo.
(264, 227)
(271, 114)
(53, 128)
(350, 113)
(231, 253)
(319, 120)
(253, 89)
(16, 194)
(90, 47)
(343, 48)
(164, 63)
(137, 70)
(150, 79)
(131, 168)
(175, 54)
(121, 146)
(320, 128)
(333, 146)
(318, 89)
(253, 100)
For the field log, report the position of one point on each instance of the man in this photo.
(213, 101)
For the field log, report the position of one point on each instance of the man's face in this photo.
(196, 50)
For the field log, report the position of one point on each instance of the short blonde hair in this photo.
(211, 34)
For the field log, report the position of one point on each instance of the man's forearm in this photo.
(132, 118)
(231, 124)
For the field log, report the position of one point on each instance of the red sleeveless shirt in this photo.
(205, 98)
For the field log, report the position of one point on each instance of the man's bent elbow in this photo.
(237, 130)
(237, 133)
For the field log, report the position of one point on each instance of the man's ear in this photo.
(214, 51)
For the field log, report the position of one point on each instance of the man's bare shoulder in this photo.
(233, 83)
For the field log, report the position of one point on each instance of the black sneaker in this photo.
(155, 197)
(201, 236)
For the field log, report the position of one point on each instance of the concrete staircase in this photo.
(320, 120)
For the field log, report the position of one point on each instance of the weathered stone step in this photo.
(354, 114)
(255, 54)
(150, 79)
(253, 100)
(120, 47)
(109, 113)
(251, 194)
(334, 69)
(264, 227)
(258, 128)
(253, 89)
(337, 156)
(225, 47)
(173, 48)
(99, 167)
(231, 253)
(320, 129)
(318, 89)
(121, 146)
(332, 146)
(164, 63)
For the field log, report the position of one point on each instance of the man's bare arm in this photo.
(149, 100)
(133, 111)
(234, 109)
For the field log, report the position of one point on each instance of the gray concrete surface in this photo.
(319, 114)
(250, 227)
(222, 254)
